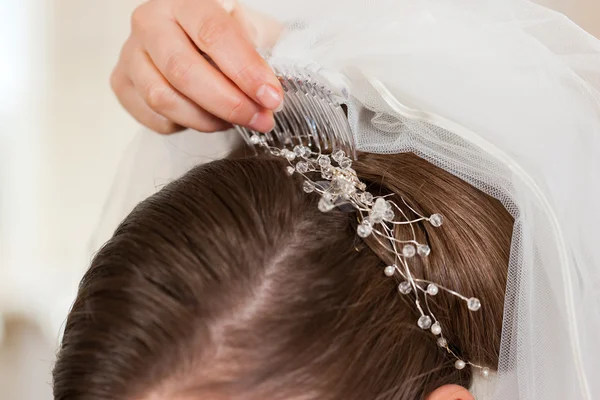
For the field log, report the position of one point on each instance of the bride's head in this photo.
(230, 283)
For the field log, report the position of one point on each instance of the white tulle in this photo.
(504, 94)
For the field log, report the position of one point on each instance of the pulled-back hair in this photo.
(230, 280)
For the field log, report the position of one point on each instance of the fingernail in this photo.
(269, 97)
(262, 121)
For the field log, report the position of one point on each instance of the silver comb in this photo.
(312, 115)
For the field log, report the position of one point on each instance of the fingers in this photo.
(135, 105)
(220, 36)
(162, 98)
(180, 62)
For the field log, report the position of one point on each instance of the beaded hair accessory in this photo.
(377, 217)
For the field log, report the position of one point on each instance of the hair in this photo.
(231, 280)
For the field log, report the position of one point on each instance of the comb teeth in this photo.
(312, 115)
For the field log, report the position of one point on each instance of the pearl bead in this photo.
(459, 364)
(390, 270)
(442, 342)
(485, 372)
(290, 170)
(364, 230)
(436, 328)
(432, 289)
(255, 139)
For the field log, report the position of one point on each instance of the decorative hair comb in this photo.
(313, 125)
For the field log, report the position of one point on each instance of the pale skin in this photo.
(193, 64)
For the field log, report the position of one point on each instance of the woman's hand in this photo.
(166, 83)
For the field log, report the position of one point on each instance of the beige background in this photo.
(61, 135)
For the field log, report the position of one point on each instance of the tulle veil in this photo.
(504, 94)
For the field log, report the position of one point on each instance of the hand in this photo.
(166, 83)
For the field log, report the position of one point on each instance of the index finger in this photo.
(222, 38)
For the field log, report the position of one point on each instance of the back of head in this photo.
(230, 283)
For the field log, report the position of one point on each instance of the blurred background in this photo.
(61, 137)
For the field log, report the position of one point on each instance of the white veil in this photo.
(502, 93)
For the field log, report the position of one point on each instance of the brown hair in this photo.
(230, 279)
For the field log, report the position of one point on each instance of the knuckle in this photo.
(177, 68)
(166, 127)
(236, 110)
(160, 97)
(139, 18)
(211, 31)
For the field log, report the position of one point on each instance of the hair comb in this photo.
(312, 115)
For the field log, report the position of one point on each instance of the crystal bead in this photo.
(361, 186)
(366, 197)
(364, 230)
(442, 342)
(325, 205)
(338, 155)
(485, 372)
(307, 152)
(424, 322)
(409, 251)
(345, 162)
(275, 152)
(290, 170)
(308, 186)
(405, 287)
(376, 217)
(380, 205)
(290, 155)
(324, 161)
(432, 289)
(327, 173)
(255, 139)
(474, 304)
(388, 214)
(389, 270)
(299, 151)
(460, 364)
(423, 250)
(436, 328)
(302, 167)
(436, 220)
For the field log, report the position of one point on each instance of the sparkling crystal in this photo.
(389, 270)
(432, 289)
(290, 170)
(324, 161)
(338, 155)
(442, 342)
(290, 155)
(299, 151)
(327, 172)
(409, 251)
(474, 304)
(424, 322)
(485, 372)
(459, 364)
(325, 205)
(255, 139)
(366, 197)
(307, 152)
(308, 187)
(423, 250)
(302, 167)
(388, 214)
(376, 216)
(405, 287)
(436, 220)
(436, 328)
(364, 230)
(380, 205)
(345, 162)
